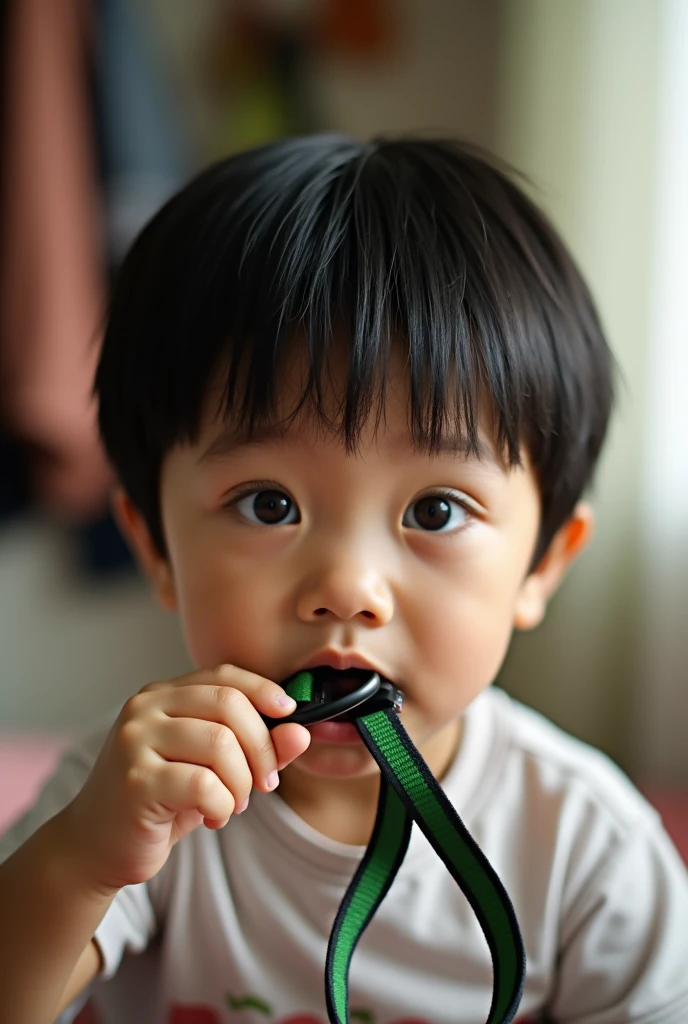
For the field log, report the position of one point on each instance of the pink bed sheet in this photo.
(25, 763)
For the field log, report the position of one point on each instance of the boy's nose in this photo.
(346, 591)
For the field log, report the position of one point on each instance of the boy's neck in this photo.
(344, 809)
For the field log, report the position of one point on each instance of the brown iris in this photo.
(271, 506)
(432, 513)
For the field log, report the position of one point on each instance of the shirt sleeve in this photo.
(130, 921)
(623, 958)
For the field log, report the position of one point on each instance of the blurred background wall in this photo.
(585, 97)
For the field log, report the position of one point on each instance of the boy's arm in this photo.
(88, 965)
(152, 783)
(49, 914)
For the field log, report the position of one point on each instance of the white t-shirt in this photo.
(236, 923)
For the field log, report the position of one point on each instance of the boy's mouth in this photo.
(340, 661)
(337, 684)
(335, 731)
(341, 683)
(334, 698)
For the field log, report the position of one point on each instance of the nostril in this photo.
(364, 612)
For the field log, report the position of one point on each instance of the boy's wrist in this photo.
(70, 862)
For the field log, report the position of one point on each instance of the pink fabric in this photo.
(672, 804)
(25, 763)
(51, 285)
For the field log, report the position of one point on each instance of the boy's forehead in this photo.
(226, 436)
(299, 420)
(231, 438)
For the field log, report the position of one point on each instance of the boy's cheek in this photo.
(455, 632)
(465, 640)
(219, 636)
(229, 623)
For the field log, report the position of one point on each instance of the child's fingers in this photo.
(265, 695)
(166, 788)
(219, 709)
(209, 744)
(289, 740)
(226, 698)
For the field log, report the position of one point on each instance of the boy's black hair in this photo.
(427, 244)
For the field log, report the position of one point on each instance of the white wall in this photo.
(69, 651)
(661, 709)
(579, 109)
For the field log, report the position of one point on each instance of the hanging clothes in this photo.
(51, 292)
(91, 148)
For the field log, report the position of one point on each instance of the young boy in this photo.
(353, 395)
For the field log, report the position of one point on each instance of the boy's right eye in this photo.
(267, 508)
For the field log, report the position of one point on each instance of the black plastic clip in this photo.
(335, 697)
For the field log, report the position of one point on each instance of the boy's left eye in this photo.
(435, 513)
(267, 508)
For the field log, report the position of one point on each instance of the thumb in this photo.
(289, 740)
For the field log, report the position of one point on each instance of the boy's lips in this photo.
(340, 661)
(334, 731)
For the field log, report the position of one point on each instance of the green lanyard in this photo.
(408, 792)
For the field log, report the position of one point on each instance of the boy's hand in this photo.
(180, 753)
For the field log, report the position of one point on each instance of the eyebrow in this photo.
(231, 440)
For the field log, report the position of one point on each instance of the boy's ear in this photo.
(567, 543)
(155, 566)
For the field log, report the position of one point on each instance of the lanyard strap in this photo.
(409, 792)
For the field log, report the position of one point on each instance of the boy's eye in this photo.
(268, 508)
(435, 512)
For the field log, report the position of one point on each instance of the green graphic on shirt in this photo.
(357, 1016)
(248, 1003)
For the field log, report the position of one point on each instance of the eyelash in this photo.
(457, 498)
(244, 490)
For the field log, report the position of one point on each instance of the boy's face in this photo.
(286, 547)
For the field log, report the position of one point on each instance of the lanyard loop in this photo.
(323, 696)
(408, 792)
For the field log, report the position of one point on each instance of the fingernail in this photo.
(286, 702)
(272, 781)
(241, 807)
